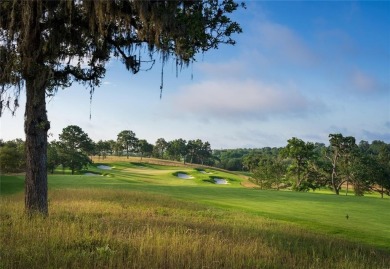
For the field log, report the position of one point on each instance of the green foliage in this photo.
(381, 152)
(300, 152)
(198, 152)
(177, 149)
(270, 173)
(127, 141)
(144, 148)
(160, 148)
(74, 147)
(54, 157)
(104, 148)
(12, 156)
(310, 166)
(244, 159)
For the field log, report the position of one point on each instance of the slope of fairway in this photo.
(142, 215)
(367, 220)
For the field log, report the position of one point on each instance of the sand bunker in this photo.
(220, 181)
(203, 172)
(183, 176)
(104, 167)
(91, 174)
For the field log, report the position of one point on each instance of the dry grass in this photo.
(122, 229)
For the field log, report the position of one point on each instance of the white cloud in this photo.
(240, 100)
(283, 42)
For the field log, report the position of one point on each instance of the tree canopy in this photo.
(74, 146)
(127, 141)
(68, 41)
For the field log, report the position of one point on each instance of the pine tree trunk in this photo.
(36, 127)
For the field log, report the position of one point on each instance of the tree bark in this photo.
(36, 126)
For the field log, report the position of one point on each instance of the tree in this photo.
(160, 147)
(75, 146)
(269, 172)
(301, 153)
(384, 162)
(127, 141)
(234, 164)
(340, 151)
(103, 148)
(12, 156)
(144, 147)
(364, 172)
(251, 161)
(53, 155)
(114, 147)
(380, 151)
(205, 153)
(177, 149)
(44, 43)
(193, 146)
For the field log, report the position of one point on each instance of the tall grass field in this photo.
(132, 214)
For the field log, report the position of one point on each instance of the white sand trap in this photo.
(204, 172)
(104, 167)
(91, 174)
(220, 181)
(183, 176)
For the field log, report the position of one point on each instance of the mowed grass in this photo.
(141, 215)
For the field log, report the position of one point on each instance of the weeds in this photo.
(125, 229)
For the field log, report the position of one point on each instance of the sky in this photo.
(302, 69)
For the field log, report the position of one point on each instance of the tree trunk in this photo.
(337, 191)
(299, 176)
(335, 187)
(382, 190)
(36, 126)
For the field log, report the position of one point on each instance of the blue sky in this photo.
(301, 69)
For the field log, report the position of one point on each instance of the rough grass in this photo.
(127, 229)
(140, 215)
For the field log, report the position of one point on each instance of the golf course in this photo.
(132, 213)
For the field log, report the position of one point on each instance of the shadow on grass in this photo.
(11, 184)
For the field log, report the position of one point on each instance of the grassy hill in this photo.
(142, 215)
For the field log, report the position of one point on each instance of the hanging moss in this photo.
(69, 31)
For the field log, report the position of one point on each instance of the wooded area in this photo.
(300, 166)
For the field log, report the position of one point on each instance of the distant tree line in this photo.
(127, 144)
(74, 148)
(302, 166)
(299, 165)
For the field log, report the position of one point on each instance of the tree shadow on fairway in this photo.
(11, 184)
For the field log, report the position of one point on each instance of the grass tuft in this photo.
(126, 229)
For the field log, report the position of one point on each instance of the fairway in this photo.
(322, 216)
